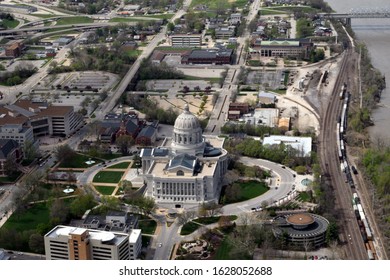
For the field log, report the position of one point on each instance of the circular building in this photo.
(301, 228)
(187, 134)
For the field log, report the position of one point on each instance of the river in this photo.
(375, 33)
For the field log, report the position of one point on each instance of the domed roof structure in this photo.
(186, 120)
(187, 134)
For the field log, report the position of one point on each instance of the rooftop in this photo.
(98, 235)
(299, 143)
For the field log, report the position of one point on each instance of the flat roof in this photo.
(300, 219)
(134, 235)
(298, 143)
(280, 43)
(98, 235)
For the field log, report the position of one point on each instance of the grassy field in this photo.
(127, 19)
(44, 16)
(189, 228)
(37, 214)
(212, 220)
(251, 189)
(162, 16)
(213, 4)
(108, 177)
(74, 20)
(148, 226)
(133, 53)
(122, 165)
(223, 251)
(105, 190)
(78, 162)
(248, 190)
(9, 24)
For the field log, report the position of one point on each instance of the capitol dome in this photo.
(187, 134)
(186, 120)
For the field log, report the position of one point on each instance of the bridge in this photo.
(359, 13)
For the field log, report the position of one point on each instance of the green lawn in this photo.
(74, 20)
(133, 53)
(212, 220)
(108, 177)
(9, 24)
(78, 162)
(189, 228)
(251, 189)
(304, 196)
(223, 251)
(127, 19)
(44, 16)
(213, 4)
(147, 226)
(162, 16)
(110, 156)
(37, 214)
(122, 165)
(248, 190)
(105, 190)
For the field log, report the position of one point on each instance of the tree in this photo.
(185, 217)
(244, 237)
(81, 204)
(59, 211)
(126, 187)
(124, 142)
(64, 153)
(170, 26)
(210, 209)
(110, 202)
(36, 243)
(232, 193)
(11, 166)
(30, 151)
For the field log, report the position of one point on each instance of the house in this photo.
(9, 149)
(128, 46)
(235, 19)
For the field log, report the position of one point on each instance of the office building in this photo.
(73, 243)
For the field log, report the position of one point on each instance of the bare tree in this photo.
(185, 217)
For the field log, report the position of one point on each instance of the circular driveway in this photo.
(283, 184)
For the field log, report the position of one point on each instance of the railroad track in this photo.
(350, 235)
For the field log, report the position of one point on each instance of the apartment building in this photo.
(73, 243)
(186, 40)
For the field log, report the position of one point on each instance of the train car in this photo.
(342, 148)
(356, 197)
(369, 233)
(370, 255)
(372, 247)
(342, 168)
(363, 234)
(341, 95)
(355, 209)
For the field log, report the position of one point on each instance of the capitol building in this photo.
(186, 169)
